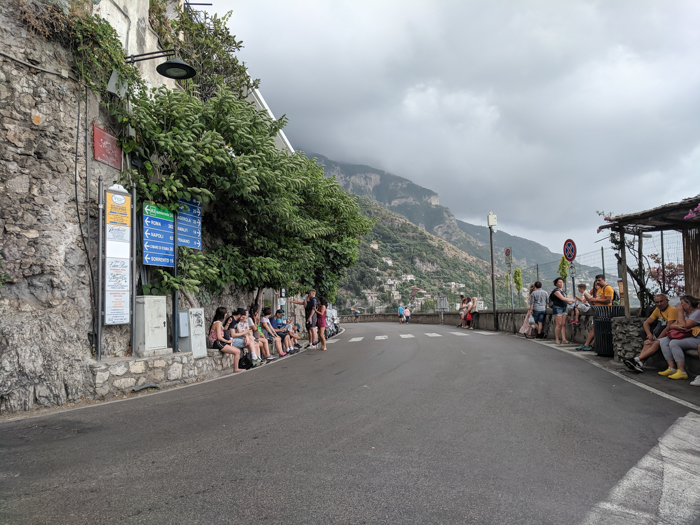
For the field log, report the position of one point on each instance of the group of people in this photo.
(261, 337)
(467, 307)
(315, 311)
(673, 330)
(601, 294)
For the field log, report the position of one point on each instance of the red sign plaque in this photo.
(106, 149)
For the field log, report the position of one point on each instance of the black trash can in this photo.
(602, 326)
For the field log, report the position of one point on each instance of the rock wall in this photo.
(628, 336)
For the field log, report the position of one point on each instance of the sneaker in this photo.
(632, 365)
(678, 375)
(585, 348)
(271, 358)
(696, 381)
(668, 372)
(579, 348)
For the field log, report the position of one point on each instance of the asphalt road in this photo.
(450, 429)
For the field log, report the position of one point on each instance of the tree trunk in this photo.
(258, 300)
(190, 299)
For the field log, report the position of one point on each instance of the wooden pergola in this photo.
(664, 218)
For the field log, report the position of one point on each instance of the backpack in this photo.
(245, 362)
(616, 297)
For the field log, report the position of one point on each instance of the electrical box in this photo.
(150, 326)
(193, 336)
(491, 219)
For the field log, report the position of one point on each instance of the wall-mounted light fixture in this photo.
(173, 68)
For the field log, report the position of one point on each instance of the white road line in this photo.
(485, 333)
(663, 487)
(380, 338)
(407, 336)
(356, 339)
(431, 334)
(622, 376)
(461, 334)
(331, 341)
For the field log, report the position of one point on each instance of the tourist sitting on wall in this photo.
(253, 322)
(683, 335)
(559, 305)
(663, 316)
(270, 333)
(228, 345)
(604, 294)
(581, 306)
(242, 330)
(285, 332)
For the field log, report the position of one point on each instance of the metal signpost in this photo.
(570, 255)
(491, 222)
(442, 307)
(163, 230)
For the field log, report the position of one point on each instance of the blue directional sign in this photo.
(158, 236)
(189, 225)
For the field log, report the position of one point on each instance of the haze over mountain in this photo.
(421, 206)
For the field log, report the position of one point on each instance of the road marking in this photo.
(331, 341)
(461, 334)
(407, 336)
(356, 339)
(431, 334)
(485, 333)
(621, 376)
(380, 338)
(663, 487)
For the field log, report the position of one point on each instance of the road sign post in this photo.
(570, 255)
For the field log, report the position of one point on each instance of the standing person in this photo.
(356, 313)
(559, 304)
(603, 296)
(309, 305)
(538, 307)
(322, 325)
(401, 319)
(687, 325)
(407, 314)
(468, 316)
(462, 310)
(526, 329)
(218, 341)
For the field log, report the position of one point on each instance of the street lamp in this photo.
(491, 222)
(173, 68)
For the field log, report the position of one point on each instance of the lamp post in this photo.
(491, 222)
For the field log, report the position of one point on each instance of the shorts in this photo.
(539, 316)
(238, 342)
(312, 324)
(558, 310)
(583, 308)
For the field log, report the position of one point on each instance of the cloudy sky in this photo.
(542, 111)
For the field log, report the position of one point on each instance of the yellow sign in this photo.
(118, 209)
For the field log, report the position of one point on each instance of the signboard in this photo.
(158, 236)
(117, 284)
(569, 250)
(189, 224)
(572, 270)
(106, 149)
(509, 256)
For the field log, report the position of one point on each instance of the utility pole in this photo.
(491, 221)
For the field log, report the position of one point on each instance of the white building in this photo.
(408, 277)
(388, 261)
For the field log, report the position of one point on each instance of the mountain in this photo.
(421, 206)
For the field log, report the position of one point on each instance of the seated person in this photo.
(284, 331)
(604, 295)
(242, 329)
(581, 306)
(260, 338)
(270, 333)
(220, 341)
(663, 316)
(687, 322)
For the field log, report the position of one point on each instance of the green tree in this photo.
(518, 279)
(563, 269)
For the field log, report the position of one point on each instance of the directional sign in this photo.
(569, 250)
(158, 236)
(189, 224)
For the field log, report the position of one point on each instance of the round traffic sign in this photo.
(507, 252)
(569, 250)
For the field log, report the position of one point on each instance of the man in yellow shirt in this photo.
(603, 297)
(664, 315)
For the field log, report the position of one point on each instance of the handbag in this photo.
(677, 333)
(531, 321)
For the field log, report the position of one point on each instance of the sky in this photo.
(543, 112)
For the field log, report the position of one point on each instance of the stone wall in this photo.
(628, 336)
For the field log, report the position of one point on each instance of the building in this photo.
(388, 261)
(408, 277)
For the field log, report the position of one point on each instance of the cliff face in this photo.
(421, 206)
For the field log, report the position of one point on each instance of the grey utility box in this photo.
(150, 326)
(193, 336)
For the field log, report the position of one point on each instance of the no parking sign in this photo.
(569, 250)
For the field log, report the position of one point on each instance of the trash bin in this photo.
(602, 326)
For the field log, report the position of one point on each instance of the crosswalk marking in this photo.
(380, 337)
(331, 341)
(432, 334)
(407, 336)
(486, 333)
(461, 334)
(356, 339)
